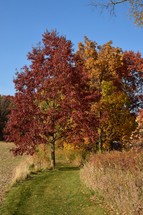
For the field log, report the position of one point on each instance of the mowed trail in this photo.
(57, 192)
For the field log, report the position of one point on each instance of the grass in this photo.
(58, 192)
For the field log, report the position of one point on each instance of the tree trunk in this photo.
(100, 129)
(100, 141)
(53, 157)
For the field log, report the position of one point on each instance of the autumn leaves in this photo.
(88, 98)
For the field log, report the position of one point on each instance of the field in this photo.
(7, 165)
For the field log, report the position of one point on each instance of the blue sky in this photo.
(22, 23)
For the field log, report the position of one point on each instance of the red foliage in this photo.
(55, 95)
(51, 98)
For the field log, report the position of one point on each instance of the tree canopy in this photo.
(50, 99)
(5, 107)
(88, 98)
(117, 76)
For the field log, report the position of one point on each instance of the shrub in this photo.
(118, 177)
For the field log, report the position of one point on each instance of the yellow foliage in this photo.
(103, 65)
(86, 141)
(68, 147)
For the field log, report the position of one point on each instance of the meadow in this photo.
(108, 183)
(118, 177)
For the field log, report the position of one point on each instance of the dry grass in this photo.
(118, 177)
(22, 170)
(7, 164)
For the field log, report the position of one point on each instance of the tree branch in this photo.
(108, 5)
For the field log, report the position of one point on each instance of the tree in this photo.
(132, 79)
(137, 135)
(117, 76)
(5, 107)
(135, 8)
(120, 121)
(49, 100)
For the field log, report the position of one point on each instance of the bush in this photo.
(118, 177)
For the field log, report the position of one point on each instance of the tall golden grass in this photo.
(118, 177)
(39, 161)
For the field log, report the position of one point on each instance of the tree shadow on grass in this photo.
(68, 168)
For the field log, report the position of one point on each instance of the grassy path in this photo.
(57, 192)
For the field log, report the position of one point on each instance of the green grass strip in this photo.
(57, 192)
